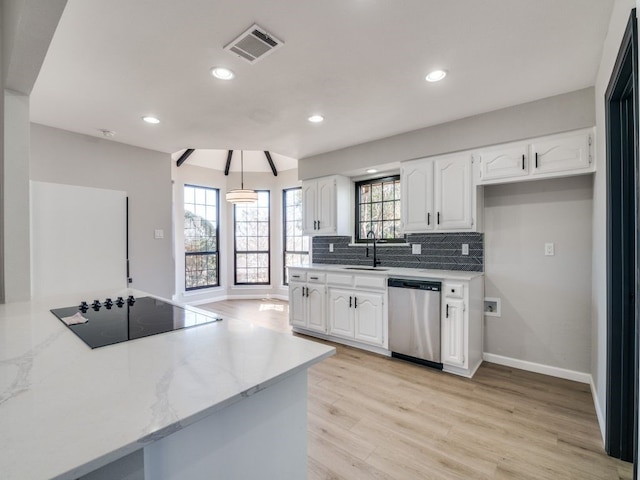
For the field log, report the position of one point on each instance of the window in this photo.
(296, 245)
(251, 239)
(378, 209)
(200, 237)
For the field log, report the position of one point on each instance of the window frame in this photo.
(217, 236)
(284, 234)
(235, 246)
(357, 222)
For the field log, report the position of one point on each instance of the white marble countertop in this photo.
(66, 410)
(394, 271)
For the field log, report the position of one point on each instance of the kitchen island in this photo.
(189, 399)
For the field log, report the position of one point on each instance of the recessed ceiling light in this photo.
(316, 118)
(436, 76)
(372, 170)
(222, 73)
(150, 119)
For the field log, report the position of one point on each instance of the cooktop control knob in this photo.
(131, 300)
(96, 305)
(119, 302)
(83, 307)
(108, 303)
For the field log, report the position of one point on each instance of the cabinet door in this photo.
(297, 304)
(316, 319)
(561, 153)
(326, 205)
(416, 184)
(309, 200)
(453, 333)
(341, 312)
(368, 311)
(453, 189)
(507, 161)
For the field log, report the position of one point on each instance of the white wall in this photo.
(59, 156)
(569, 111)
(193, 175)
(546, 307)
(617, 24)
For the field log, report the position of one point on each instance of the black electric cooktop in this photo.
(120, 320)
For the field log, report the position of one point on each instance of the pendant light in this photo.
(241, 195)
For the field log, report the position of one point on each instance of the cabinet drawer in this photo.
(454, 290)
(370, 281)
(298, 276)
(315, 277)
(338, 279)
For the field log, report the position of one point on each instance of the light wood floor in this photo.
(373, 417)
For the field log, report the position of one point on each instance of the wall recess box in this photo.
(491, 307)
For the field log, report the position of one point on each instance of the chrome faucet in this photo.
(376, 262)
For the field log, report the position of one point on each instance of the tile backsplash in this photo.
(440, 251)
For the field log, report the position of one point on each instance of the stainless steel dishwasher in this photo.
(414, 320)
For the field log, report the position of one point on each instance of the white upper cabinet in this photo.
(561, 153)
(438, 194)
(546, 157)
(453, 192)
(504, 161)
(325, 206)
(416, 185)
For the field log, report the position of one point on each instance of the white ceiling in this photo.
(361, 63)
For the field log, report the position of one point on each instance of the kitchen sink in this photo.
(377, 269)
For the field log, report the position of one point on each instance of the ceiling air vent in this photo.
(254, 44)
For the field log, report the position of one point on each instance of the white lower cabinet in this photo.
(461, 321)
(369, 313)
(297, 304)
(352, 309)
(341, 320)
(356, 315)
(307, 305)
(316, 312)
(453, 333)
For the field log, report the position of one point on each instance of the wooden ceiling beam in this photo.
(273, 167)
(228, 165)
(184, 156)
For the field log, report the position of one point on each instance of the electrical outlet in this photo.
(331, 248)
(465, 249)
(549, 249)
(158, 234)
(416, 248)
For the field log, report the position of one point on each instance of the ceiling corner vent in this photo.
(253, 44)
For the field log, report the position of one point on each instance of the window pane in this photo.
(379, 209)
(296, 245)
(200, 236)
(251, 227)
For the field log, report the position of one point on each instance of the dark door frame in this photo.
(621, 107)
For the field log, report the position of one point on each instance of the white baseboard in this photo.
(599, 412)
(538, 368)
(254, 297)
(220, 298)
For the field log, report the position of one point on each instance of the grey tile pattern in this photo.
(440, 251)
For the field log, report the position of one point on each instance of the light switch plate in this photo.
(549, 249)
(158, 234)
(465, 249)
(416, 248)
(331, 248)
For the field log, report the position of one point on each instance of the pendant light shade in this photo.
(242, 195)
